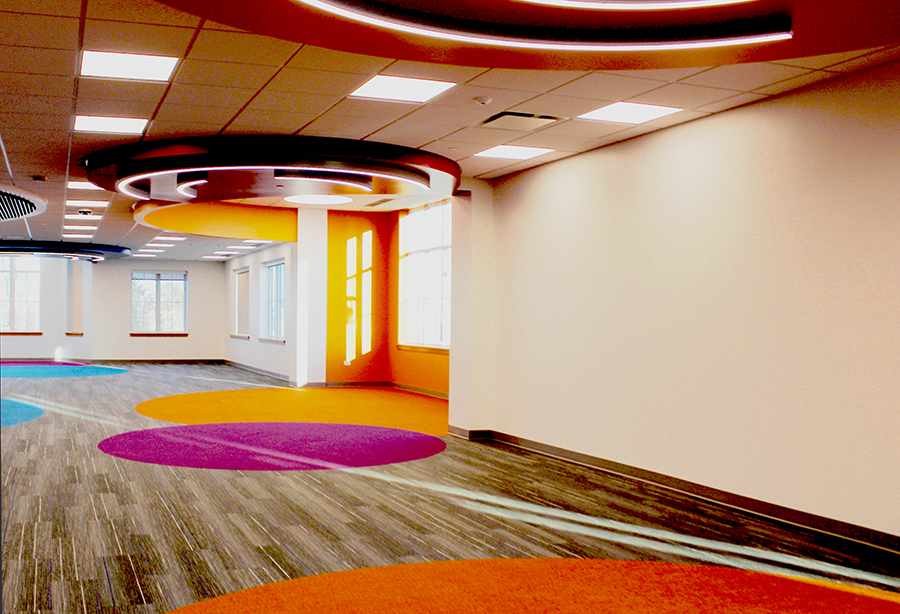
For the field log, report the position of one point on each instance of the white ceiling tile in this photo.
(264, 121)
(45, 31)
(485, 136)
(139, 11)
(745, 77)
(316, 81)
(473, 167)
(873, 59)
(217, 45)
(410, 134)
(37, 61)
(437, 72)
(525, 80)
(307, 105)
(116, 108)
(557, 106)
(224, 74)
(683, 96)
(377, 109)
(663, 74)
(457, 118)
(342, 126)
(120, 89)
(194, 114)
(318, 58)
(729, 103)
(213, 96)
(49, 105)
(585, 128)
(526, 164)
(65, 8)
(136, 38)
(465, 95)
(35, 121)
(556, 142)
(802, 80)
(455, 150)
(47, 85)
(820, 62)
(606, 86)
(22, 139)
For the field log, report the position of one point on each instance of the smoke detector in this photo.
(16, 203)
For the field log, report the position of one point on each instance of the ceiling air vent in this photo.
(511, 120)
(16, 203)
(378, 202)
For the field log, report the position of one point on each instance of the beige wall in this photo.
(718, 302)
(111, 306)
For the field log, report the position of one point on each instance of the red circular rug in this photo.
(571, 586)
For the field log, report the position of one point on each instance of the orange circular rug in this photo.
(374, 406)
(551, 585)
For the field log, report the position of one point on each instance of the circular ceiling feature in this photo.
(318, 199)
(16, 203)
(240, 175)
(90, 252)
(579, 34)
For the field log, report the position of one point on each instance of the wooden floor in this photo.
(86, 532)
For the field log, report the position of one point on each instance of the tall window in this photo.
(425, 277)
(20, 293)
(158, 302)
(359, 295)
(242, 302)
(275, 300)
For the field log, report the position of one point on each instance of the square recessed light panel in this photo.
(112, 125)
(513, 152)
(401, 89)
(629, 113)
(127, 66)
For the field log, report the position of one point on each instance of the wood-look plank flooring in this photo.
(86, 532)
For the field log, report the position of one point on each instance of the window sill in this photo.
(74, 334)
(158, 334)
(22, 333)
(245, 337)
(272, 340)
(423, 348)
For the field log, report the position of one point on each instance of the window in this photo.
(20, 293)
(359, 295)
(275, 301)
(158, 302)
(242, 302)
(425, 277)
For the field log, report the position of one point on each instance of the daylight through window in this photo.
(20, 293)
(158, 302)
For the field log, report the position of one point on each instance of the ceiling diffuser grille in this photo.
(16, 203)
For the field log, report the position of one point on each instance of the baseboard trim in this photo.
(416, 389)
(821, 524)
(259, 371)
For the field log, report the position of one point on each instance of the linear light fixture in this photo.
(513, 152)
(151, 251)
(143, 255)
(86, 203)
(110, 125)
(224, 253)
(170, 238)
(600, 5)
(397, 26)
(629, 113)
(259, 241)
(241, 247)
(214, 257)
(82, 218)
(160, 245)
(127, 66)
(401, 89)
(67, 227)
(77, 236)
(82, 185)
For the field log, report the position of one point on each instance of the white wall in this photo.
(718, 302)
(301, 359)
(53, 343)
(111, 317)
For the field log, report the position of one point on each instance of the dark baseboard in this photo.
(845, 530)
(417, 390)
(280, 376)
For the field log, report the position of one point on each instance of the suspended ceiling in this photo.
(230, 81)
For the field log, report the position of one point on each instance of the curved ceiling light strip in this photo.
(600, 5)
(90, 252)
(16, 203)
(406, 27)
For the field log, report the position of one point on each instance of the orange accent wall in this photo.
(373, 366)
(385, 363)
(410, 368)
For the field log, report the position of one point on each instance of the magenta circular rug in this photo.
(272, 446)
